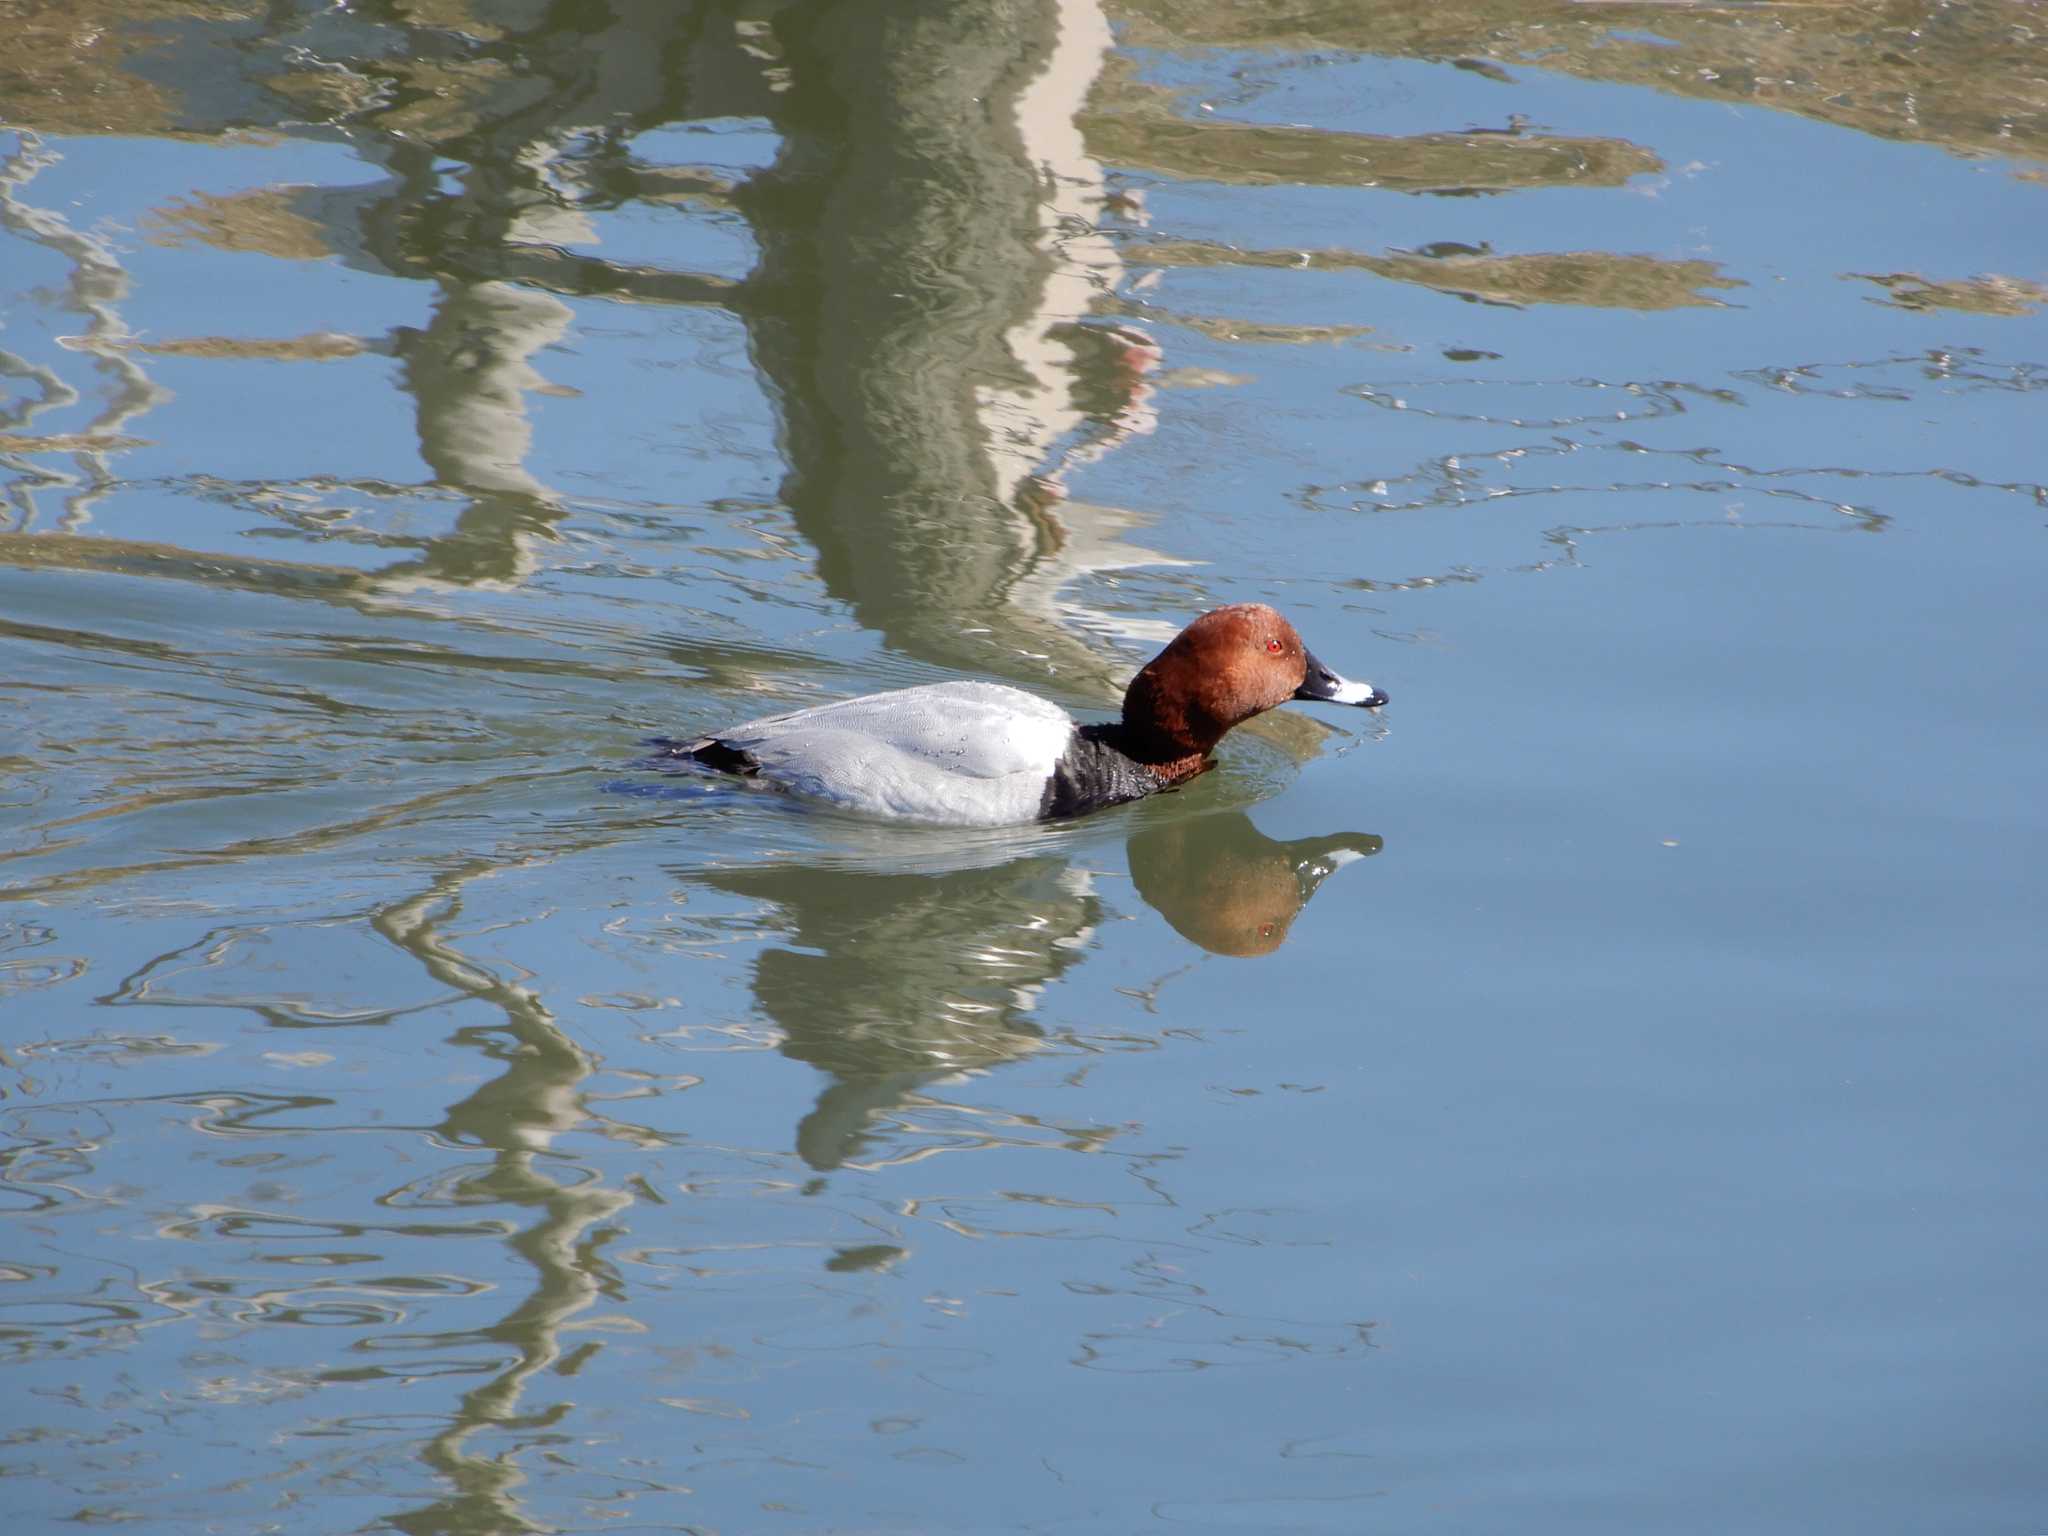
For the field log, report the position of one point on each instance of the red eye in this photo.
(1273, 647)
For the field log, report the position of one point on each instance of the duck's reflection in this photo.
(890, 980)
(1225, 885)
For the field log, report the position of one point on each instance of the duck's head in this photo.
(1229, 665)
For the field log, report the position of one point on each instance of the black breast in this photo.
(1092, 774)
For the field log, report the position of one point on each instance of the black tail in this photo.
(709, 752)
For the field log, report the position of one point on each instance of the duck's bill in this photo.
(1321, 683)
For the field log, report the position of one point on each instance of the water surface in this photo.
(1602, 1093)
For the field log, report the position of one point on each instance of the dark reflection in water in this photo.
(892, 980)
(901, 243)
(921, 236)
(513, 1117)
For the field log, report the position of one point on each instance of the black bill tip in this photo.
(1322, 684)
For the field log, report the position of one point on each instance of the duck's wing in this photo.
(980, 730)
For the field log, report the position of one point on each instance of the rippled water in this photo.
(1600, 1094)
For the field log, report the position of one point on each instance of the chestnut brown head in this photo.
(1229, 665)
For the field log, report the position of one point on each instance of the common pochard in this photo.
(984, 755)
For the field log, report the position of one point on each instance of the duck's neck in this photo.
(1168, 761)
(1161, 742)
(1162, 729)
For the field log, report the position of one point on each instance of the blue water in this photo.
(1599, 1094)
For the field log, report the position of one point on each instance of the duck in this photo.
(981, 754)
